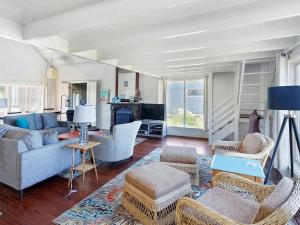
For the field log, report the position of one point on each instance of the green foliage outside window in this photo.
(192, 120)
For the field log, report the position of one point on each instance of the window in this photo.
(185, 103)
(23, 98)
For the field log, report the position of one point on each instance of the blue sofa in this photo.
(39, 121)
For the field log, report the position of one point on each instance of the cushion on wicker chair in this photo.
(179, 154)
(157, 179)
(253, 143)
(280, 195)
(230, 205)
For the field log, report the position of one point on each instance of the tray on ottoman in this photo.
(151, 192)
(182, 158)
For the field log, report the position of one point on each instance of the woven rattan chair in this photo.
(233, 148)
(192, 212)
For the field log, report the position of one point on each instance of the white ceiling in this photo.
(28, 11)
(160, 37)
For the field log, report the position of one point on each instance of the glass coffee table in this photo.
(248, 168)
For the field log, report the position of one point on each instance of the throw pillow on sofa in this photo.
(4, 128)
(38, 121)
(32, 139)
(49, 120)
(22, 122)
(50, 137)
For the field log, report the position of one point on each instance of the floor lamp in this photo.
(285, 98)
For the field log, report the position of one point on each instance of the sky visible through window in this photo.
(185, 103)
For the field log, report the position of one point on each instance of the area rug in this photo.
(104, 205)
(66, 173)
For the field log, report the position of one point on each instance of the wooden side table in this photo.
(84, 166)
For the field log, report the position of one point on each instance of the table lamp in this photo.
(285, 98)
(83, 115)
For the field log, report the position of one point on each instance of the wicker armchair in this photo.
(233, 148)
(192, 212)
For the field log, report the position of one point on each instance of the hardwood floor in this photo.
(45, 201)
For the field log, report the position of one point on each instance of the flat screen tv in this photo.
(153, 111)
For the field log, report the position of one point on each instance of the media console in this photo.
(153, 128)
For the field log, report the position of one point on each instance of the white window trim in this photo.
(184, 102)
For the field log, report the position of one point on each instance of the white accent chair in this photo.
(119, 145)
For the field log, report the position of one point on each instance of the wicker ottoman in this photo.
(151, 192)
(182, 158)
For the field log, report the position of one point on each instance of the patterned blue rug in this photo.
(66, 174)
(104, 205)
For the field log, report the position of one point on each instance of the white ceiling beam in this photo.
(265, 31)
(234, 17)
(196, 56)
(105, 13)
(10, 29)
(54, 42)
(159, 68)
(88, 54)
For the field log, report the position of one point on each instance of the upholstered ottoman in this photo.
(182, 158)
(150, 192)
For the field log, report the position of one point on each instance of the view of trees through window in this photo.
(185, 103)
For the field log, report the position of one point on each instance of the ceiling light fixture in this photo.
(183, 50)
(186, 65)
(175, 60)
(184, 34)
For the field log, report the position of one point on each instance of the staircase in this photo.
(251, 83)
(254, 89)
(258, 76)
(223, 118)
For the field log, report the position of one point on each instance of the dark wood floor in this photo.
(45, 201)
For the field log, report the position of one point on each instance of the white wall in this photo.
(222, 86)
(130, 89)
(149, 87)
(103, 73)
(21, 63)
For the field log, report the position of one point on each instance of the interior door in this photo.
(92, 93)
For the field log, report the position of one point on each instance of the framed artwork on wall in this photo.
(104, 95)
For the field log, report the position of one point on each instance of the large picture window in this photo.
(23, 98)
(185, 103)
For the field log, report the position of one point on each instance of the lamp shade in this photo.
(3, 103)
(84, 114)
(284, 98)
(52, 73)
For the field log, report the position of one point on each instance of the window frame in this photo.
(203, 79)
(13, 85)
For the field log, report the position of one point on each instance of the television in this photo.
(152, 111)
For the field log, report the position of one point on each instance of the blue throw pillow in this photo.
(38, 121)
(49, 120)
(22, 122)
(50, 137)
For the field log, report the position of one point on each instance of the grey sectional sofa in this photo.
(21, 168)
(41, 122)
(26, 158)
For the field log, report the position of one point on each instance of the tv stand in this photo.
(153, 128)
